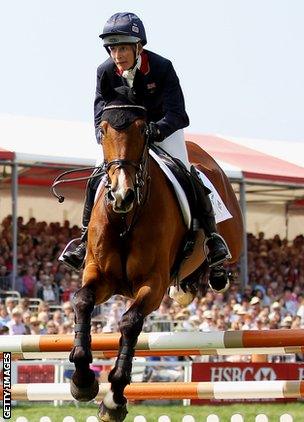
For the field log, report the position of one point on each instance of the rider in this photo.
(124, 37)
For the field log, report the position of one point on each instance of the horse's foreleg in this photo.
(130, 327)
(84, 386)
(113, 407)
(147, 300)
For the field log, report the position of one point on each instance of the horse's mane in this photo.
(124, 97)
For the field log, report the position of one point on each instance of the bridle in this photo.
(141, 167)
(142, 177)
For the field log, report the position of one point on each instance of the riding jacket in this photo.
(162, 96)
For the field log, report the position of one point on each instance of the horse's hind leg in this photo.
(84, 386)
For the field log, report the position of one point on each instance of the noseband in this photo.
(140, 167)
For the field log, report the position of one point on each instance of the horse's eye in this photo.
(143, 130)
(100, 136)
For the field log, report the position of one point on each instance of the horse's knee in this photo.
(84, 300)
(131, 323)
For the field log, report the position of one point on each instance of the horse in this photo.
(135, 235)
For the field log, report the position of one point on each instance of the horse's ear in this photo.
(138, 86)
(106, 89)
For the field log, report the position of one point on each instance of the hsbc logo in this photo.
(248, 373)
(265, 374)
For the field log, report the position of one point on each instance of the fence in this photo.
(164, 418)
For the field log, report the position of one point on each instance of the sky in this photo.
(240, 62)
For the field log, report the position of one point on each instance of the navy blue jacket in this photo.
(163, 96)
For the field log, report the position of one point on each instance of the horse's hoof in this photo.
(112, 415)
(181, 297)
(84, 393)
(218, 279)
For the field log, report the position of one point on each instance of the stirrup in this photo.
(206, 249)
(61, 257)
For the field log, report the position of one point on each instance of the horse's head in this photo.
(124, 142)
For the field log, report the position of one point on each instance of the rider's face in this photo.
(123, 56)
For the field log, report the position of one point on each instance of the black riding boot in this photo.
(218, 251)
(74, 258)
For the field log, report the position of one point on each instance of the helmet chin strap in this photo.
(129, 74)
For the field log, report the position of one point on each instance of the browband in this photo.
(124, 106)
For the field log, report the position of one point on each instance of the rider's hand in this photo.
(154, 134)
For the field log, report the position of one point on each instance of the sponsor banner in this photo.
(228, 371)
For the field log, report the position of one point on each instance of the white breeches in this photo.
(174, 145)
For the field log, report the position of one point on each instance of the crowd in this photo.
(273, 298)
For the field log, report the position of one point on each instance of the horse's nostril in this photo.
(110, 195)
(130, 196)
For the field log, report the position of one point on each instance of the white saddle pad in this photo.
(221, 212)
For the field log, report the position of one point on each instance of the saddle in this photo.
(184, 179)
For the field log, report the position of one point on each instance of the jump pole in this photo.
(170, 390)
(191, 341)
(108, 354)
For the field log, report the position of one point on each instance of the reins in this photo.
(58, 180)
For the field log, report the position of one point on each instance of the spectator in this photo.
(29, 281)
(26, 317)
(248, 322)
(43, 319)
(35, 326)
(74, 286)
(24, 304)
(66, 328)
(207, 324)
(5, 278)
(296, 323)
(4, 316)
(58, 318)
(51, 328)
(10, 304)
(43, 307)
(300, 311)
(16, 326)
(290, 301)
(4, 330)
(287, 322)
(67, 311)
(255, 306)
(47, 291)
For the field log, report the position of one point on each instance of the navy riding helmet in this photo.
(123, 28)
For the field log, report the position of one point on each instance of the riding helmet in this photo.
(123, 28)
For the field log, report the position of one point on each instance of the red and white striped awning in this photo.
(6, 155)
(253, 161)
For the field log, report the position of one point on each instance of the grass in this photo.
(33, 412)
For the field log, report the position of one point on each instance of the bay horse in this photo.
(134, 237)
